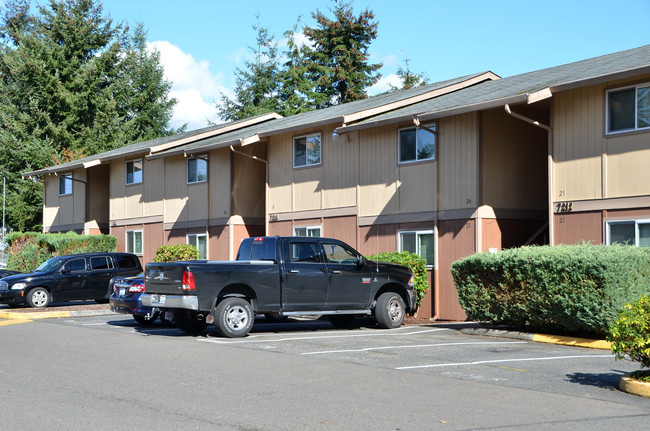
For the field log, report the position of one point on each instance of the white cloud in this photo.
(193, 85)
(384, 84)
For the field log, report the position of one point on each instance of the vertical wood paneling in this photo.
(280, 173)
(248, 182)
(175, 190)
(154, 187)
(79, 196)
(220, 182)
(51, 205)
(378, 171)
(575, 228)
(343, 228)
(117, 189)
(341, 166)
(458, 164)
(456, 238)
(417, 187)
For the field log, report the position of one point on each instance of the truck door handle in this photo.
(293, 271)
(336, 271)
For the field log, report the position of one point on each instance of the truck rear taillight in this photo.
(188, 280)
(135, 288)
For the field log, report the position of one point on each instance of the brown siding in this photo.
(343, 228)
(218, 243)
(456, 238)
(280, 228)
(578, 227)
(153, 237)
(98, 183)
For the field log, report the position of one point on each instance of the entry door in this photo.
(306, 280)
(349, 283)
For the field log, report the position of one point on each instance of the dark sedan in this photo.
(126, 299)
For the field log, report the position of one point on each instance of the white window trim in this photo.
(432, 126)
(187, 164)
(307, 229)
(66, 176)
(420, 232)
(636, 229)
(201, 234)
(126, 172)
(293, 151)
(126, 241)
(636, 112)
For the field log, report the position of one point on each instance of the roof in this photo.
(528, 87)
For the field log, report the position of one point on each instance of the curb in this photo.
(634, 387)
(540, 338)
(52, 314)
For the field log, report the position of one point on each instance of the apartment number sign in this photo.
(564, 207)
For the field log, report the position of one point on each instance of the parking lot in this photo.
(409, 378)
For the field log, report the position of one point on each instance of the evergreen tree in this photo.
(72, 84)
(338, 62)
(408, 78)
(256, 85)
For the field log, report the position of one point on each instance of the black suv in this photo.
(65, 278)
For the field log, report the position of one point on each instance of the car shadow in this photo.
(599, 380)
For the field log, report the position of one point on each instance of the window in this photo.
(336, 253)
(313, 231)
(304, 252)
(199, 241)
(75, 265)
(421, 243)
(197, 169)
(134, 171)
(124, 261)
(101, 262)
(628, 109)
(306, 151)
(417, 144)
(65, 184)
(134, 241)
(633, 232)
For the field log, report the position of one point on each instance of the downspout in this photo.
(549, 161)
(266, 187)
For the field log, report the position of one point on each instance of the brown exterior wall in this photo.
(152, 238)
(457, 239)
(218, 243)
(578, 227)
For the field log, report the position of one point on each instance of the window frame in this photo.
(197, 235)
(307, 164)
(202, 158)
(637, 222)
(636, 127)
(307, 229)
(417, 233)
(67, 180)
(132, 245)
(432, 126)
(126, 172)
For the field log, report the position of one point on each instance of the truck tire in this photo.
(188, 321)
(233, 317)
(38, 297)
(390, 310)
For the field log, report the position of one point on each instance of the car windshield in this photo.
(49, 265)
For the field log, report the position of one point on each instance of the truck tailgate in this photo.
(164, 278)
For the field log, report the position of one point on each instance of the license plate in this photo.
(158, 299)
(122, 292)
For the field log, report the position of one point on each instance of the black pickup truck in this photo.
(280, 276)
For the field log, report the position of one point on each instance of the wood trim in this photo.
(313, 214)
(559, 207)
(136, 221)
(64, 227)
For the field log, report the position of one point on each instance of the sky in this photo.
(203, 42)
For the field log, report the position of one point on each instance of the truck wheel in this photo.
(342, 321)
(233, 317)
(38, 297)
(188, 321)
(390, 310)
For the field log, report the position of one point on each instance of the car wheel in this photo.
(145, 319)
(233, 317)
(275, 317)
(390, 310)
(342, 321)
(188, 321)
(38, 297)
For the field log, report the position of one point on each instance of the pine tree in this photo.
(256, 85)
(338, 62)
(408, 78)
(72, 83)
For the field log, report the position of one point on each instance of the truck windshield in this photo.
(49, 265)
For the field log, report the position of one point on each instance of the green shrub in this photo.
(630, 334)
(417, 264)
(29, 249)
(575, 289)
(175, 253)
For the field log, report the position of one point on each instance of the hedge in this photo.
(175, 253)
(30, 249)
(577, 289)
(630, 334)
(417, 264)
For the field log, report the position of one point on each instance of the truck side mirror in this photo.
(65, 270)
(361, 261)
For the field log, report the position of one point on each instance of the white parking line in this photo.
(252, 339)
(417, 346)
(496, 361)
(92, 324)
